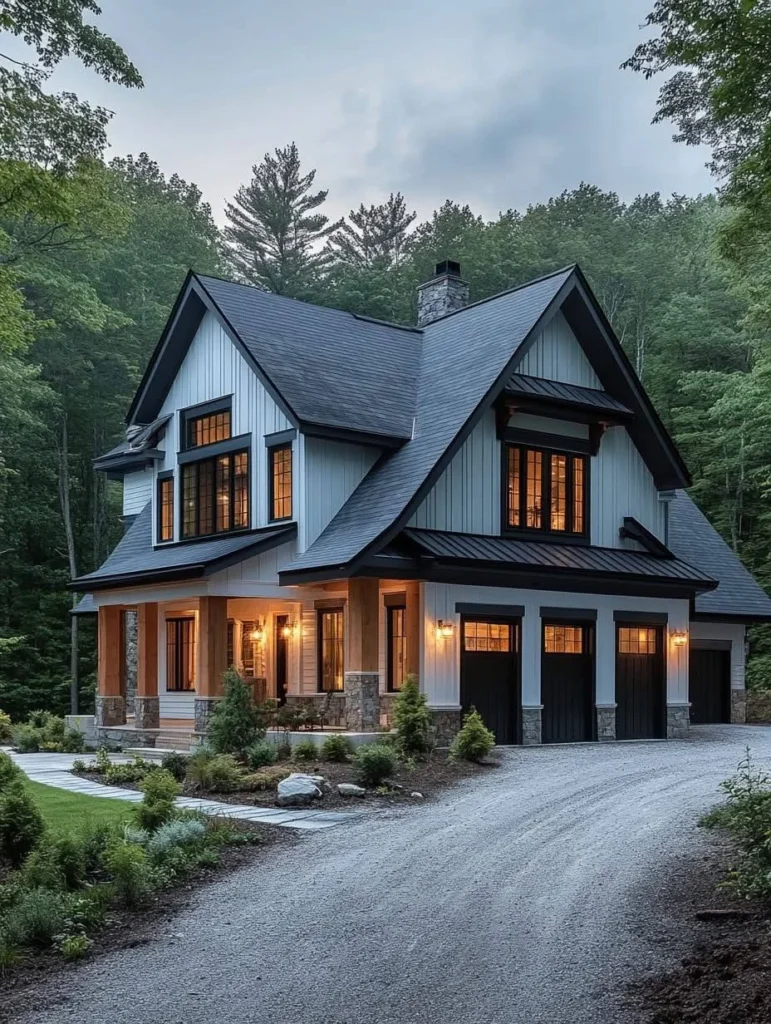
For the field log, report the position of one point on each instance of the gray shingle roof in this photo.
(463, 357)
(549, 558)
(692, 537)
(135, 559)
(332, 368)
(590, 398)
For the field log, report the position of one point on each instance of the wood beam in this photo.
(110, 651)
(363, 624)
(212, 653)
(147, 650)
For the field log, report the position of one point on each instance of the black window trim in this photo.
(320, 613)
(181, 488)
(284, 446)
(162, 477)
(390, 609)
(544, 532)
(194, 412)
(173, 620)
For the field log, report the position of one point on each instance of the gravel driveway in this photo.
(530, 895)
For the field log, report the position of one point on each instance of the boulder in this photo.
(298, 790)
(349, 789)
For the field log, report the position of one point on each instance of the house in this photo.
(489, 500)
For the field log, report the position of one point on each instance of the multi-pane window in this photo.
(280, 478)
(215, 495)
(166, 508)
(487, 636)
(180, 654)
(397, 645)
(563, 640)
(545, 491)
(637, 640)
(207, 429)
(331, 636)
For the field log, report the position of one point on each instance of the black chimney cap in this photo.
(449, 267)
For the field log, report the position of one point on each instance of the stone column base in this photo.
(147, 712)
(678, 720)
(739, 707)
(606, 722)
(204, 708)
(445, 723)
(362, 701)
(531, 726)
(110, 711)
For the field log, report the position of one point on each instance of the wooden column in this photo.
(110, 701)
(146, 703)
(212, 653)
(412, 624)
(363, 625)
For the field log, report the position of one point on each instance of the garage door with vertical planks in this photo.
(489, 674)
(567, 682)
(709, 685)
(640, 682)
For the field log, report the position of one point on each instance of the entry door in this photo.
(640, 683)
(282, 657)
(567, 683)
(709, 685)
(489, 674)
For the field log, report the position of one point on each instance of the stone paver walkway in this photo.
(55, 770)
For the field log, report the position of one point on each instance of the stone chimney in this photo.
(443, 294)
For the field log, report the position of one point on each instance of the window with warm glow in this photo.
(397, 646)
(545, 491)
(280, 474)
(636, 640)
(208, 429)
(180, 654)
(563, 640)
(487, 636)
(166, 509)
(330, 649)
(215, 495)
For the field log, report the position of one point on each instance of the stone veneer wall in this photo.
(678, 720)
(606, 723)
(110, 711)
(147, 712)
(739, 700)
(334, 716)
(531, 726)
(130, 656)
(362, 702)
(446, 723)
(757, 705)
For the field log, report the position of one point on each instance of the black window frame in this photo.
(212, 462)
(272, 451)
(197, 412)
(164, 478)
(320, 613)
(174, 627)
(545, 530)
(390, 637)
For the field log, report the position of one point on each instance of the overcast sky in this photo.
(497, 103)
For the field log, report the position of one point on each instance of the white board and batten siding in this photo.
(137, 490)
(331, 471)
(556, 355)
(704, 633)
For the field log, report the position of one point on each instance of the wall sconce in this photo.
(445, 629)
(679, 638)
(258, 633)
(289, 630)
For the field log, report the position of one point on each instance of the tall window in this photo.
(330, 651)
(215, 495)
(280, 479)
(166, 508)
(397, 645)
(545, 491)
(180, 654)
(207, 429)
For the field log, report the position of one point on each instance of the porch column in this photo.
(362, 676)
(605, 674)
(146, 703)
(110, 702)
(412, 625)
(212, 656)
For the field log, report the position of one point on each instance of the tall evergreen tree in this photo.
(375, 237)
(274, 238)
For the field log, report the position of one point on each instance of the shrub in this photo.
(36, 918)
(133, 771)
(96, 839)
(305, 750)
(175, 834)
(374, 763)
(74, 947)
(135, 834)
(160, 790)
(267, 778)
(195, 771)
(261, 753)
(235, 723)
(474, 741)
(412, 720)
(73, 742)
(9, 772)
(284, 750)
(21, 824)
(101, 761)
(6, 729)
(37, 719)
(175, 763)
(336, 748)
(27, 739)
(216, 773)
(57, 863)
(131, 875)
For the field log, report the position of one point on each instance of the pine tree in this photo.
(375, 237)
(273, 236)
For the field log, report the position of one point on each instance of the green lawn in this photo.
(68, 811)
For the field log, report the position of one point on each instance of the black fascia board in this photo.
(127, 462)
(566, 409)
(349, 436)
(180, 572)
(211, 451)
(634, 530)
(739, 617)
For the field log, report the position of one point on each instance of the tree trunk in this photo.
(66, 510)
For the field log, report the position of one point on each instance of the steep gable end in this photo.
(555, 354)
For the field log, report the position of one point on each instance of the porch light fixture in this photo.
(258, 633)
(289, 630)
(445, 629)
(679, 638)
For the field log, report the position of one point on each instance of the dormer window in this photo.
(206, 424)
(546, 492)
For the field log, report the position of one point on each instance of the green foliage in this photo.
(9, 773)
(173, 835)
(36, 918)
(235, 722)
(214, 773)
(160, 790)
(6, 729)
(265, 779)
(27, 739)
(175, 764)
(412, 720)
(305, 750)
(130, 873)
(59, 862)
(758, 674)
(261, 753)
(74, 947)
(132, 771)
(374, 764)
(474, 741)
(21, 824)
(336, 748)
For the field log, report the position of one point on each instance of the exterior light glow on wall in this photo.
(679, 638)
(258, 633)
(289, 630)
(445, 630)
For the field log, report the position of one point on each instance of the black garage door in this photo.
(567, 683)
(709, 685)
(640, 682)
(489, 674)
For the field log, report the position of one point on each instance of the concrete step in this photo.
(175, 740)
(153, 753)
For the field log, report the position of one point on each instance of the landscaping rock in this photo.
(298, 790)
(349, 789)
(416, 795)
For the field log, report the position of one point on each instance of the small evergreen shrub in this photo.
(78, 767)
(6, 729)
(305, 750)
(130, 872)
(262, 753)
(37, 917)
(21, 824)
(195, 770)
(9, 772)
(38, 718)
(160, 790)
(374, 763)
(175, 834)
(58, 863)
(474, 741)
(235, 724)
(27, 739)
(412, 720)
(219, 773)
(175, 763)
(135, 834)
(336, 748)
(132, 771)
(265, 779)
(96, 838)
(73, 742)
